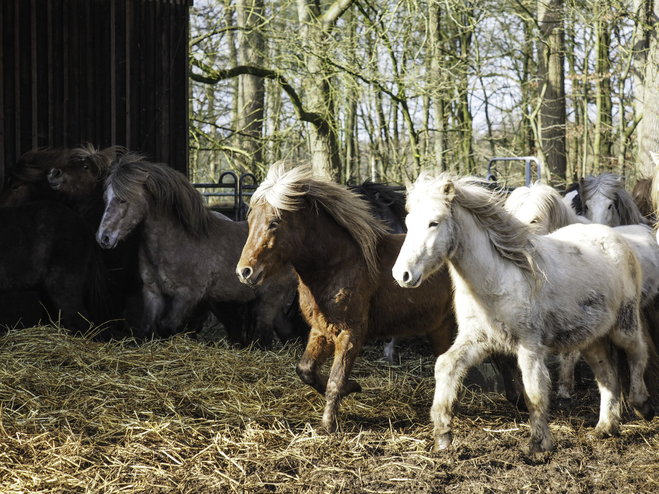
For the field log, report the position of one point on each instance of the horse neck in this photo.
(325, 249)
(475, 264)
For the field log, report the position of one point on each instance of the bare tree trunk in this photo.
(649, 132)
(323, 135)
(602, 143)
(251, 100)
(437, 93)
(551, 75)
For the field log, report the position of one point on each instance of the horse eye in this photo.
(16, 185)
(122, 201)
(433, 224)
(534, 221)
(85, 167)
(273, 224)
(610, 205)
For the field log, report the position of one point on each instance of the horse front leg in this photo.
(346, 350)
(450, 369)
(182, 304)
(317, 351)
(536, 389)
(154, 306)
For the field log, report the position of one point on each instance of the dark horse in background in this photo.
(71, 176)
(47, 247)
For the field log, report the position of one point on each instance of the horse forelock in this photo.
(292, 190)
(100, 159)
(167, 189)
(507, 235)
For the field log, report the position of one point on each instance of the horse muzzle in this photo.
(55, 178)
(249, 276)
(105, 240)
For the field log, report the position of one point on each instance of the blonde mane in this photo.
(290, 191)
(553, 213)
(508, 236)
(169, 191)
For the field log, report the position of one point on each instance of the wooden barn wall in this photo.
(108, 72)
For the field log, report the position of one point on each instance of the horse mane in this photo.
(613, 188)
(383, 196)
(99, 159)
(288, 191)
(169, 190)
(553, 212)
(642, 195)
(33, 165)
(509, 237)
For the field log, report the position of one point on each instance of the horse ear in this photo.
(449, 190)
(655, 158)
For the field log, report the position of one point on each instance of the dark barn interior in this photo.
(107, 72)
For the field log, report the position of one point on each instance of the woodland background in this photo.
(386, 88)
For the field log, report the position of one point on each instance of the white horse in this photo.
(524, 295)
(543, 209)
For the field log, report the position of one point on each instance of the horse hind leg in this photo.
(536, 390)
(567, 363)
(628, 335)
(598, 358)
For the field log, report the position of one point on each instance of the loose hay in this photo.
(186, 416)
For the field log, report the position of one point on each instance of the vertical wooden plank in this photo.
(8, 82)
(58, 74)
(34, 86)
(160, 61)
(3, 149)
(148, 77)
(120, 65)
(136, 76)
(179, 84)
(73, 68)
(102, 72)
(41, 88)
(87, 93)
(113, 73)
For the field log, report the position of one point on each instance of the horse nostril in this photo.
(246, 273)
(56, 173)
(406, 276)
(105, 240)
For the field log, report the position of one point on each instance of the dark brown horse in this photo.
(74, 176)
(45, 246)
(187, 252)
(343, 258)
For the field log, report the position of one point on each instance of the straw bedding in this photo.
(186, 415)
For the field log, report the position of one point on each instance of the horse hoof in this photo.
(539, 447)
(603, 433)
(563, 403)
(645, 411)
(353, 387)
(443, 441)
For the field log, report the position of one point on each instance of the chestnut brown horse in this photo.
(343, 258)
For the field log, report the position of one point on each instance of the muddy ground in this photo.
(194, 416)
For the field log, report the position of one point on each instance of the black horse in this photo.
(47, 247)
